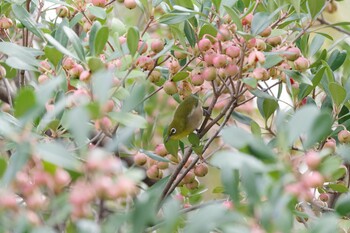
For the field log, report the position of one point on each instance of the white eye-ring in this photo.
(173, 131)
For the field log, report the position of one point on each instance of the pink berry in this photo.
(204, 44)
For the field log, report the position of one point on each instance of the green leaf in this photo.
(189, 33)
(174, 18)
(98, 12)
(217, 4)
(317, 133)
(95, 64)
(234, 17)
(248, 143)
(338, 93)
(299, 77)
(296, 4)
(316, 44)
(236, 160)
(342, 206)
(269, 106)
(60, 47)
(19, 64)
(24, 102)
(315, 7)
(76, 42)
(341, 188)
(207, 29)
(156, 2)
(272, 60)
(132, 40)
(23, 16)
(3, 166)
(155, 156)
(194, 139)
(92, 36)
(261, 21)
(336, 59)
(79, 126)
(172, 146)
(252, 82)
(129, 119)
(10, 71)
(180, 76)
(101, 40)
(53, 55)
(255, 128)
(57, 154)
(16, 162)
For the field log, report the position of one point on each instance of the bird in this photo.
(187, 117)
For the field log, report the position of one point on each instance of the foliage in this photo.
(88, 89)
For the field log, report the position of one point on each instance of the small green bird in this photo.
(187, 117)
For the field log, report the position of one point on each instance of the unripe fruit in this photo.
(185, 89)
(157, 45)
(256, 57)
(233, 51)
(170, 87)
(312, 160)
(260, 45)
(180, 55)
(192, 185)
(189, 177)
(344, 136)
(219, 61)
(62, 11)
(85, 76)
(201, 170)
(223, 34)
(154, 76)
(162, 165)
(330, 144)
(131, 4)
(209, 57)
(108, 106)
(209, 73)
(8, 201)
(331, 7)
(204, 45)
(267, 32)
(5, 23)
(161, 150)
(43, 78)
(61, 178)
(68, 63)
(140, 159)
(145, 62)
(76, 71)
(323, 197)
(153, 172)
(231, 69)
(173, 66)
(301, 64)
(87, 26)
(274, 41)
(292, 53)
(313, 180)
(100, 3)
(247, 20)
(260, 74)
(142, 47)
(196, 77)
(44, 66)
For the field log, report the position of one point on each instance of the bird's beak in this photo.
(167, 138)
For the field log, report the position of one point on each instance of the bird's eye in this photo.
(173, 131)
